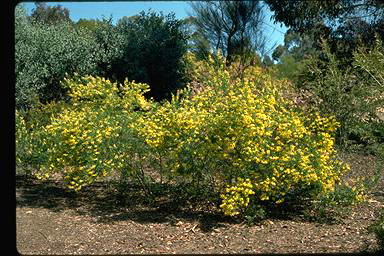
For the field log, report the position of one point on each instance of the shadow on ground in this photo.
(100, 200)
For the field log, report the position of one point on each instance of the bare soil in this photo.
(51, 219)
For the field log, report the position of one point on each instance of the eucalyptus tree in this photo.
(234, 27)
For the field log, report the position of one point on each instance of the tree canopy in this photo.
(343, 24)
(301, 16)
(49, 14)
(153, 45)
(235, 27)
(147, 47)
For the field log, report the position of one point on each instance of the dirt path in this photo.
(53, 220)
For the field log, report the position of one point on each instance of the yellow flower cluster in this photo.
(237, 197)
(357, 188)
(82, 139)
(89, 87)
(100, 91)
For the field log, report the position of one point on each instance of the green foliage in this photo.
(336, 202)
(44, 54)
(304, 15)
(292, 54)
(289, 68)
(146, 48)
(110, 44)
(343, 24)
(90, 24)
(296, 45)
(353, 94)
(152, 50)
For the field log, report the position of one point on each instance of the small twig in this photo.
(43, 235)
(192, 229)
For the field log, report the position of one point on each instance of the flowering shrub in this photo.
(240, 136)
(86, 140)
(243, 137)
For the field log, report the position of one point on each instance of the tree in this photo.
(297, 45)
(292, 54)
(49, 14)
(354, 32)
(302, 16)
(267, 61)
(343, 24)
(235, 27)
(196, 42)
(152, 50)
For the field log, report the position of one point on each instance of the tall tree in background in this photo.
(49, 14)
(109, 40)
(291, 55)
(235, 27)
(295, 44)
(342, 23)
(89, 24)
(302, 16)
(197, 43)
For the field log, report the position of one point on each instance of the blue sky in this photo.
(96, 10)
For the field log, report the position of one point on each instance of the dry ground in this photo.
(53, 220)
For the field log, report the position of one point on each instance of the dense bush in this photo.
(152, 50)
(146, 48)
(111, 44)
(44, 54)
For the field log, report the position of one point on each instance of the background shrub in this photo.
(353, 94)
(152, 50)
(146, 48)
(44, 54)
